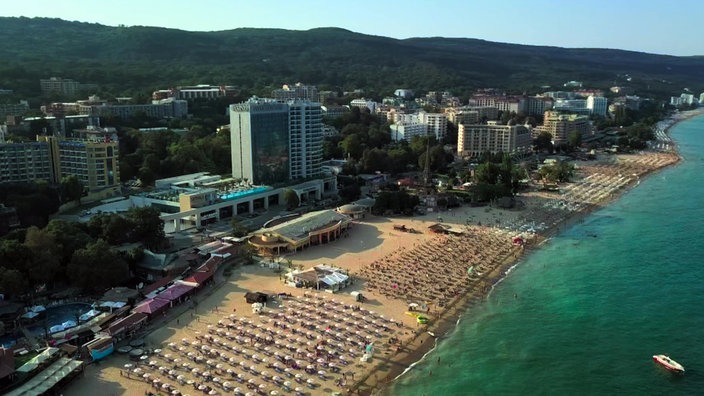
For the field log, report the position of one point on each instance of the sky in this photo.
(656, 26)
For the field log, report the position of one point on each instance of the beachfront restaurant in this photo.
(314, 228)
(320, 277)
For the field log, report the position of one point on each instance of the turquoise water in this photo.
(244, 193)
(591, 312)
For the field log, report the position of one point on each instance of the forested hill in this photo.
(143, 58)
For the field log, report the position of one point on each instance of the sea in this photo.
(585, 313)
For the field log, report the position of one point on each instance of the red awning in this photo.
(159, 283)
(199, 277)
(151, 306)
(174, 292)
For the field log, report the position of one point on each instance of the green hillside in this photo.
(123, 59)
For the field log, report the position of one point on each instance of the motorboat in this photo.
(668, 363)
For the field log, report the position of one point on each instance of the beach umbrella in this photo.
(146, 376)
(287, 385)
(213, 392)
(175, 392)
(238, 391)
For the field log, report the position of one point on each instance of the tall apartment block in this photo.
(23, 162)
(474, 140)
(274, 142)
(306, 139)
(560, 126)
(93, 159)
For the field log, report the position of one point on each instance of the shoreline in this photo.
(448, 320)
(380, 258)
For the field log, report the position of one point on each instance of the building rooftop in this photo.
(300, 227)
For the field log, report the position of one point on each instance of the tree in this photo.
(147, 228)
(45, 262)
(117, 230)
(352, 146)
(71, 189)
(487, 173)
(247, 253)
(291, 198)
(574, 139)
(238, 230)
(68, 237)
(374, 160)
(12, 282)
(544, 142)
(14, 255)
(97, 267)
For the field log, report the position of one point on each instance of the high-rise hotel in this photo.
(275, 142)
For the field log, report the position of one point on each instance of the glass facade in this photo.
(260, 141)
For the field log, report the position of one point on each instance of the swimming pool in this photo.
(52, 316)
(57, 315)
(240, 194)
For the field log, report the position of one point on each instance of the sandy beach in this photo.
(313, 343)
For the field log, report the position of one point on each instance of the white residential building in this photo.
(436, 124)
(364, 103)
(306, 139)
(406, 131)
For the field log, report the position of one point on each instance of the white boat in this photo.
(668, 363)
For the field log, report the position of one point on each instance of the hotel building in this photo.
(560, 126)
(474, 140)
(93, 159)
(274, 143)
